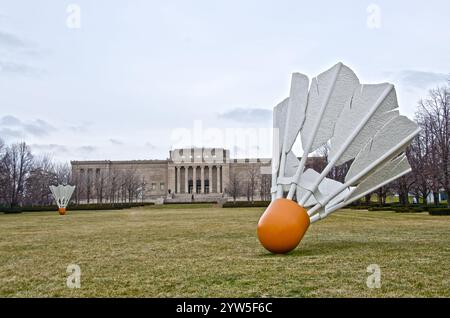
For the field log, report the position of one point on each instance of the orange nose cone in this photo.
(282, 226)
(62, 211)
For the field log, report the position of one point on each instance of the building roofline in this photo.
(96, 162)
(161, 161)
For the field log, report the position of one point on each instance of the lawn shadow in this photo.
(326, 248)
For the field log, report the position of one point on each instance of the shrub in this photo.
(410, 209)
(357, 207)
(381, 208)
(173, 206)
(11, 210)
(413, 208)
(246, 204)
(74, 207)
(439, 211)
(192, 202)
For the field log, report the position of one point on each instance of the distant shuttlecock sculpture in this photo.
(62, 195)
(355, 121)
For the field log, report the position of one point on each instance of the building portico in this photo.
(198, 170)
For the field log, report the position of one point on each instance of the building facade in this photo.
(201, 174)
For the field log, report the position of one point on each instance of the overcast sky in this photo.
(136, 77)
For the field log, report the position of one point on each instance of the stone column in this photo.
(202, 179)
(218, 179)
(210, 178)
(194, 179)
(177, 177)
(186, 178)
(221, 179)
(225, 175)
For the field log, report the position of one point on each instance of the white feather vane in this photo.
(296, 109)
(370, 108)
(393, 168)
(329, 93)
(387, 173)
(279, 126)
(325, 189)
(291, 164)
(390, 141)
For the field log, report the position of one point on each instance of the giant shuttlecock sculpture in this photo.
(358, 122)
(62, 195)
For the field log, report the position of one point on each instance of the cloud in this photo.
(420, 79)
(20, 69)
(9, 120)
(36, 127)
(10, 40)
(150, 145)
(10, 133)
(49, 148)
(247, 115)
(115, 142)
(14, 49)
(87, 149)
(82, 127)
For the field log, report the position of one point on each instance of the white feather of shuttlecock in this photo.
(326, 188)
(359, 122)
(279, 125)
(290, 113)
(392, 170)
(328, 94)
(381, 149)
(62, 194)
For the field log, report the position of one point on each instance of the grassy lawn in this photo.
(213, 252)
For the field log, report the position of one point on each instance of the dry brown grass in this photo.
(213, 252)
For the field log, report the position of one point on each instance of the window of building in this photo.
(162, 186)
(153, 186)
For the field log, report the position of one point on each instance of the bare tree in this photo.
(382, 194)
(402, 186)
(233, 188)
(74, 181)
(434, 112)
(16, 165)
(41, 176)
(3, 174)
(265, 187)
(114, 186)
(88, 185)
(252, 181)
(142, 189)
(338, 172)
(131, 184)
(63, 173)
(100, 184)
(418, 154)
